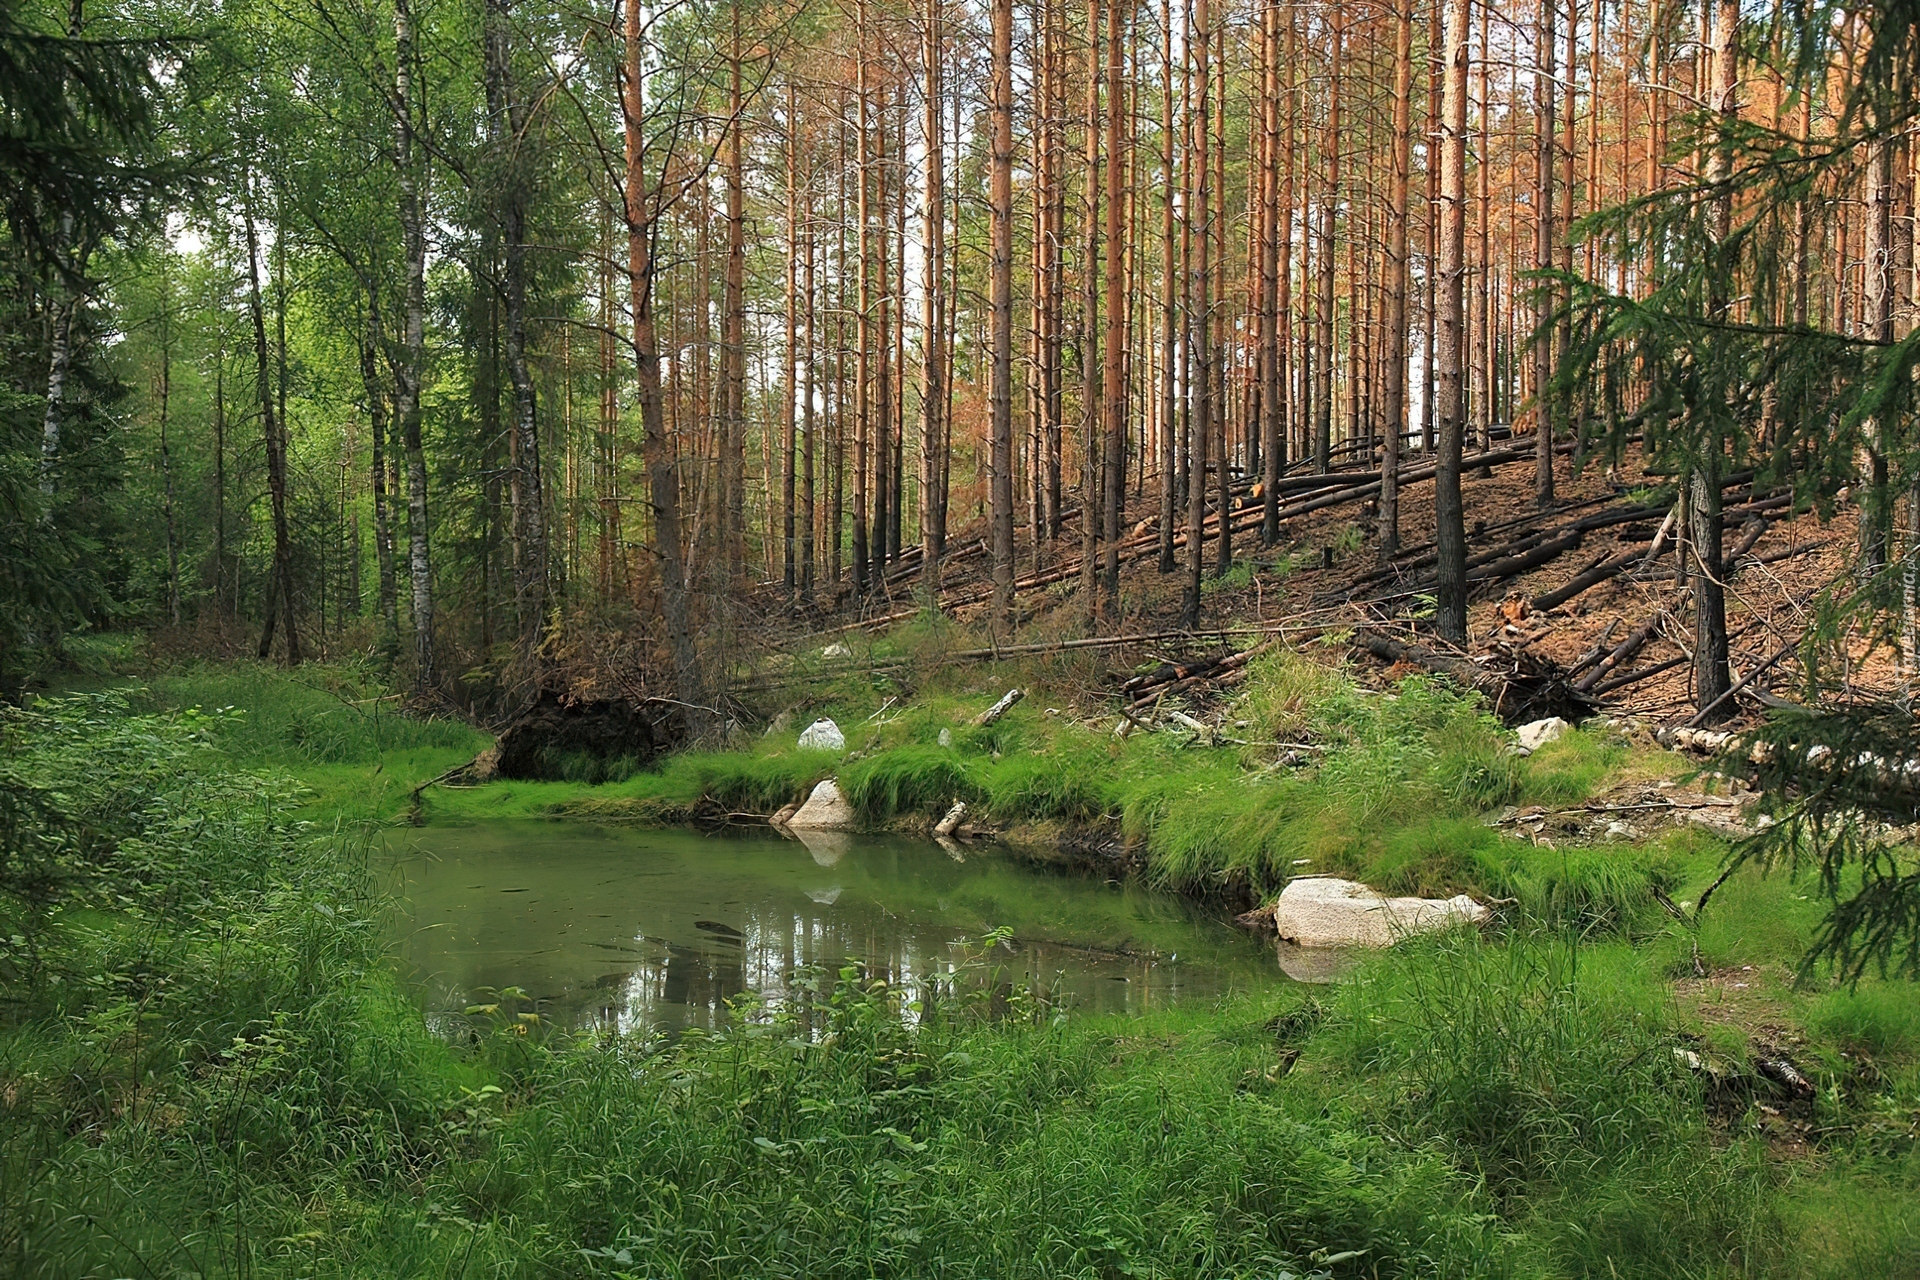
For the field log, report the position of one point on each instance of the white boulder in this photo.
(825, 810)
(1539, 733)
(836, 650)
(1322, 911)
(823, 735)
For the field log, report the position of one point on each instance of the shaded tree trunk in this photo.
(1000, 288)
(1450, 341)
(507, 127)
(663, 479)
(274, 431)
(408, 370)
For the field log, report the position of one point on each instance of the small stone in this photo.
(1539, 733)
(822, 735)
(836, 650)
(946, 737)
(825, 810)
(1618, 831)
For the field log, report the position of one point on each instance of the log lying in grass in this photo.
(999, 708)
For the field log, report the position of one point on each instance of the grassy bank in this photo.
(1313, 773)
(206, 1065)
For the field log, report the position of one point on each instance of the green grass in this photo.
(1393, 794)
(206, 1065)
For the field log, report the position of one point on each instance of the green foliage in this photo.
(909, 780)
(318, 714)
(215, 1039)
(1843, 786)
(1238, 577)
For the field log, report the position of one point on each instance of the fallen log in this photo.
(1595, 653)
(999, 708)
(1522, 686)
(1635, 677)
(1700, 717)
(1592, 576)
(1624, 652)
(1512, 565)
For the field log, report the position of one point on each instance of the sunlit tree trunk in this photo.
(1200, 381)
(1113, 390)
(1275, 215)
(733, 326)
(1329, 209)
(1091, 521)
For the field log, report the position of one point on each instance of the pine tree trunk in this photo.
(1113, 391)
(1329, 208)
(1000, 287)
(1169, 300)
(1274, 216)
(1712, 677)
(790, 356)
(1543, 254)
(1091, 521)
(1393, 399)
(733, 334)
(663, 478)
(1450, 617)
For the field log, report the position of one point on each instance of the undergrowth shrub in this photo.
(330, 713)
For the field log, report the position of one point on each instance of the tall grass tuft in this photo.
(1541, 1081)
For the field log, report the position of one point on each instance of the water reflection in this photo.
(660, 929)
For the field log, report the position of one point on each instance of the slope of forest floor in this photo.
(1325, 571)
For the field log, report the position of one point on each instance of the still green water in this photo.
(659, 929)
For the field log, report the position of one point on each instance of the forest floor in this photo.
(1325, 572)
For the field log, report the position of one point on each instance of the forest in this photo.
(764, 637)
(486, 335)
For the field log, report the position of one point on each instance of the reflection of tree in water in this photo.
(664, 931)
(692, 986)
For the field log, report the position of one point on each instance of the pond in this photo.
(650, 929)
